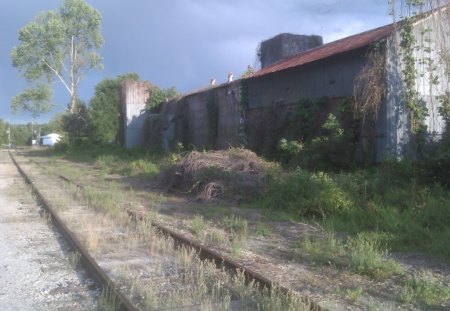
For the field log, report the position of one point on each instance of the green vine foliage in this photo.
(320, 138)
(408, 45)
(243, 106)
(444, 108)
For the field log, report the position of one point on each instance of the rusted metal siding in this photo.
(134, 95)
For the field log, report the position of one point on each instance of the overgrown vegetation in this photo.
(425, 289)
(363, 254)
(159, 96)
(316, 135)
(392, 199)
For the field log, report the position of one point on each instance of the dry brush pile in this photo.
(233, 175)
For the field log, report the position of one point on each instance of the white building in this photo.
(50, 139)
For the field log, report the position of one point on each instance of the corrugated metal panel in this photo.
(333, 48)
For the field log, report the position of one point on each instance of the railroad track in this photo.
(86, 259)
(221, 261)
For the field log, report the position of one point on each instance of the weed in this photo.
(322, 250)
(236, 225)
(368, 257)
(424, 289)
(263, 229)
(104, 162)
(197, 225)
(362, 254)
(353, 293)
(108, 301)
(216, 235)
(142, 167)
(236, 247)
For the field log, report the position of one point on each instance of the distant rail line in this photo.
(205, 253)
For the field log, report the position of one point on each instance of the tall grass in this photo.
(363, 254)
(424, 289)
(390, 198)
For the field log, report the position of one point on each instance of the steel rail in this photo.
(207, 253)
(88, 262)
(219, 259)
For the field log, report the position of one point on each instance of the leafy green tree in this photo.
(159, 96)
(20, 134)
(76, 125)
(34, 100)
(60, 45)
(3, 132)
(55, 125)
(104, 110)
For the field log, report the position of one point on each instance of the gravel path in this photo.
(37, 269)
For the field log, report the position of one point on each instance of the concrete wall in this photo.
(134, 95)
(397, 139)
(206, 119)
(332, 77)
(189, 119)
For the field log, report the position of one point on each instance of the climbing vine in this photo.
(243, 106)
(408, 45)
(424, 54)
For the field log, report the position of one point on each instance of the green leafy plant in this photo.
(159, 96)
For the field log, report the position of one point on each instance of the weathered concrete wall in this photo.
(134, 95)
(206, 119)
(397, 139)
(332, 77)
(189, 119)
(213, 118)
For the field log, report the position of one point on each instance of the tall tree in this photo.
(104, 110)
(60, 45)
(34, 100)
(3, 132)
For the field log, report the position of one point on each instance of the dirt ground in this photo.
(36, 272)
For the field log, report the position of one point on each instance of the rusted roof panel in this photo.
(333, 48)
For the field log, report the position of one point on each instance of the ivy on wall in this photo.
(243, 121)
(408, 46)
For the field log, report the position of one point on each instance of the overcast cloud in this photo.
(183, 43)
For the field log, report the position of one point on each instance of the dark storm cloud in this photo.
(183, 43)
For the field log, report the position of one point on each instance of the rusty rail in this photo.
(207, 253)
(88, 262)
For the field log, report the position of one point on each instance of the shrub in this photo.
(306, 194)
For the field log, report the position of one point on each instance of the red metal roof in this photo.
(333, 48)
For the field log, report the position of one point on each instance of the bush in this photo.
(306, 194)
(333, 150)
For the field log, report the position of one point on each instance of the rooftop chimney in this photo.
(285, 45)
(230, 77)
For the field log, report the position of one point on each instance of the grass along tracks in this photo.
(340, 273)
(150, 270)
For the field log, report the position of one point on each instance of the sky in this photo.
(182, 43)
